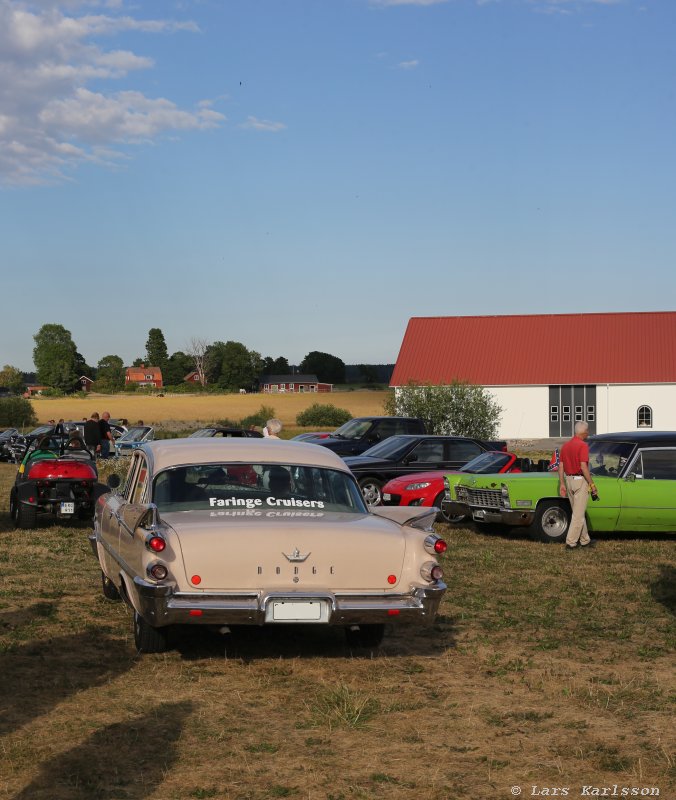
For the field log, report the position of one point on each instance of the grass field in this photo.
(545, 668)
(203, 408)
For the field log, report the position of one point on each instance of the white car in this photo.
(224, 532)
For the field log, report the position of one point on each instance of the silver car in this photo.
(224, 532)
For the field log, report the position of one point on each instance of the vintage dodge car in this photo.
(635, 475)
(222, 532)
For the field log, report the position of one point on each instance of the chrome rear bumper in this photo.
(160, 605)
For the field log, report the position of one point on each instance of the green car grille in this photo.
(478, 497)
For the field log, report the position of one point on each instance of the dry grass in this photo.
(204, 408)
(545, 668)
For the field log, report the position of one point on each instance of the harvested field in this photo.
(545, 669)
(203, 408)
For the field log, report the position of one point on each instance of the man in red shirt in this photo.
(575, 483)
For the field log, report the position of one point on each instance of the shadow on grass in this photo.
(38, 675)
(23, 617)
(664, 588)
(253, 643)
(124, 761)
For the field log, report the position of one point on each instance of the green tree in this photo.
(178, 366)
(327, 368)
(12, 378)
(275, 366)
(455, 409)
(156, 349)
(110, 374)
(141, 362)
(16, 412)
(240, 367)
(368, 372)
(56, 358)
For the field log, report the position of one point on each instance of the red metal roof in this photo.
(539, 349)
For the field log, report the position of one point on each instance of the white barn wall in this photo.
(525, 411)
(618, 404)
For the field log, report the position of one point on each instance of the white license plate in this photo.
(307, 610)
(387, 496)
(479, 514)
(67, 508)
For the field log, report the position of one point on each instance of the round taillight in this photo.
(391, 578)
(196, 580)
(436, 573)
(440, 546)
(156, 543)
(158, 571)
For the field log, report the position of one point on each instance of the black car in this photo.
(401, 455)
(225, 432)
(361, 433)
(6, 438)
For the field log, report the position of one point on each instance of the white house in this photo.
(616, 371)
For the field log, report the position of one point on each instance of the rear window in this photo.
(261, 487)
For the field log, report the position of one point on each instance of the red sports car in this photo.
(427, 488)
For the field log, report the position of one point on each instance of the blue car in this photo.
(133, 439)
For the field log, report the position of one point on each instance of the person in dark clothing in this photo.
(92, 434)
(106, 434)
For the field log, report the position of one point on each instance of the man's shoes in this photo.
(571, 547)
(590, 543)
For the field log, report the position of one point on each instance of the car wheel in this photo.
(26, 516)
(551, 522)
(364, 635)
(442, 516)
(109, 589)
(371, 488)
(147, 638)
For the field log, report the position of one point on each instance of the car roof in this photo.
(175, 452)
(665, 438)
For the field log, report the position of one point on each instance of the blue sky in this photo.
(308, 174)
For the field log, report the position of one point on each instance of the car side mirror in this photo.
(632, 477)
(410, 459)
(113, 481)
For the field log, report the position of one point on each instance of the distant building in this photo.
(615, 371)
(280, 384)
(35, 390)
(193, 377)
(84, 384)
(144, 376)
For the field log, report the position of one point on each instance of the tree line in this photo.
(230, 365)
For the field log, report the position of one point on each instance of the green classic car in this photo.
(635, 474)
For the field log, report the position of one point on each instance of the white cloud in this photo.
(50, 122)
(567, 6)
(412, 64)
(255, 124)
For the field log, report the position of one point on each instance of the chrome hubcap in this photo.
(554, 522)
(371, 494)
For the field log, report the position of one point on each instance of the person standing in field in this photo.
(575, 483)
(106, 434)
(273, 428)
(92, 434)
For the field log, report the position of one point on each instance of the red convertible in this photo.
(427, 488)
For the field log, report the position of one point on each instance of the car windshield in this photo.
(42, 429)
(354, 429)
(608, 458)
(134, 435)
(201, 432)
(257, 488)
(486, 463)
(392, 448)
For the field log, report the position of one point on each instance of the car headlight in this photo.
(504, 493)
(412, 487)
